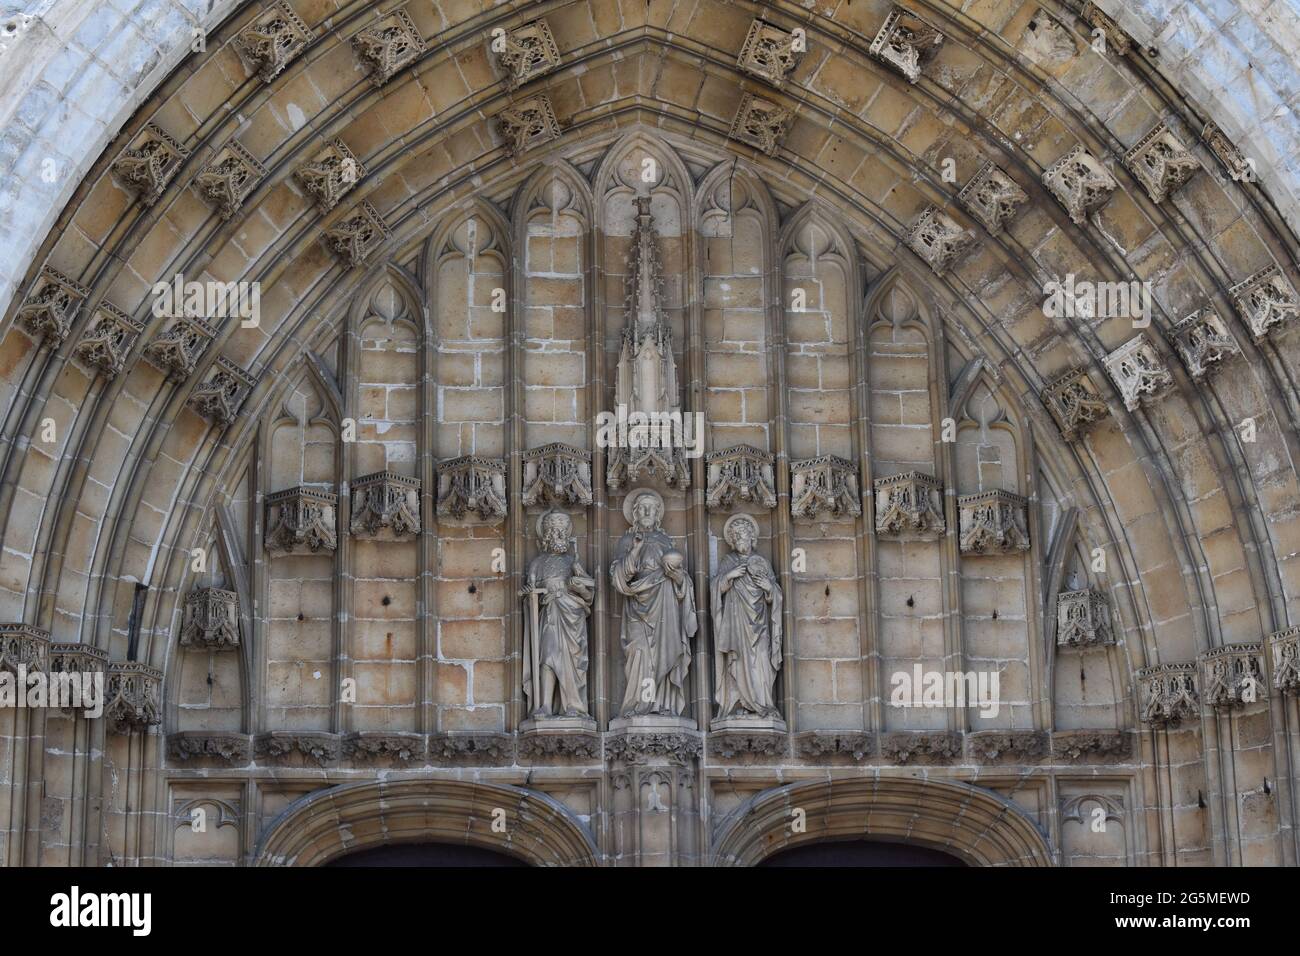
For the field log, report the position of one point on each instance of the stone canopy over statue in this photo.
(746, 609)
(558, 596)
(659, 617)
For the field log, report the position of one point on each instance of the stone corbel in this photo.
(177, 350)
(1138, 371)
(909, 505)
(472, 485)
(1266, 300)
(357, 235)
(1080, 183)
(25, 646)
(993, 522)
(301, 521)
(742, 473)
(1204, 342)
(227, 181)
(388, 46)
(330, 175)
(905, 43)
(938, 239)
(992, 197)
(219, 398)
(769, 53)
(1233, 675)
(557, 474)
(149, 164)
(1083, 619)
(1168, 694)
(133, 700)
(105, 344)
(824, 488)
(1285, 646)
(50, 307)
(527, 52)
(761, 123)
(528, 124)
(273, 40)
(1161, 163)
(211, 619)
(1075, 403)
(385, 504)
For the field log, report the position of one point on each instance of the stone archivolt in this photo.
(905, 43)
(824, 488)
(1080, 183)
(993, 522)
(53, 303)
(1233, 675)
(1083, 619)
(1204, 342)
(470, 485)
(211, 619)
(909, 505)
(1266, 301)
(301, 521)
(385, 503)
(769, 53)
(528, 52)
(1168, 694)
(557, 474)
(742, 474)
(150, 163)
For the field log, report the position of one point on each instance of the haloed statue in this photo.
(746, 625)
(559, 595)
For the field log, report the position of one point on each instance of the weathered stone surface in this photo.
(108, 339)
(761, 123)
(1138, 371)
(357, 235)
(231, 748)
(526, 52)
(528, 124)
(301, 521)
(906, 43)
(1233, 675)
(331, 174)
(1285, 647)
(219, 398)
(770, 53)
(1075, 403)
(1161, 163)
(1266, 301)
(992, 197)
(825, 487)
(1168, 694)
(815, 745)
(740, 475)
(385, 504)
(1078, 745)
(902, 748)
(1080, 183)
(24, 645)
(211, 619)
(1020, 745)
(1204, 342)
(178, 349)
(993, 522)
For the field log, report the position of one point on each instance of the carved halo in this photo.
(730, 526)
(629, 503)
(541, 521)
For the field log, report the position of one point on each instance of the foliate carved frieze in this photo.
(211, 619)
(388, 46)
(320, 747)
(761, 123)
(108, 339)
(992, 197)
(24, 645)
(676, 746)
(1233, 675)
(1285, 646)
(1265, 301)
(357, 235)
(938, 239)
(472, 486)
(557, 474)
(1116, 39)
(301, 521)
(1204, 342)
(736, 743)
(1138, 371)
(370, 745)
(1168, 693)
(1075, 403)
(909, 505)
(743, 474)
(232, 748)
(818, 745)
(770, 53)
(1161, 163)
(471, 748)
(133, 696)
(527, 52)
(1227, 153)
(149, 164)
(330, 175)
(1021, 745)
(1083, 619)
(528, 123)
(993, 522)
(177, 350)
(905, 43)
(50, 307)
(936, 746)
(219, 398)
(228, 180)
(1074, 745)
(824, 488)
(1080, 183)
(385, 504)
(577, 745)
(273, 40)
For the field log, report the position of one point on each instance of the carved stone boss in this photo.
(219, 398)
(761, 123)
(388, 46)
(992, 197)
(1161, 163)
(149, 164)
(105, 345)
(938, 239)
(1138, 371)
(273, 40)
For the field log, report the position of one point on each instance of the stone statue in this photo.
(558, 594)
(659, 616)
(746, 603)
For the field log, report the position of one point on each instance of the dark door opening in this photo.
(861, 853)
(425, 854)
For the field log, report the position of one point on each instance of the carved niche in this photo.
(741, 473)
(386, 504)
(133, 696)
(1080, 183)
(909, 505)
(330, 175)
(211, 619)
(149, 164)
(108, 339)
(388, 46)
(272, 40)
(992, 522)
(1083, 619)
(1265, 301)
(1227, 153)
(992, 197)
(357, 235)
(769, 53)
(1161, 163)
(1168, 693)
(1074, 403)
(1138, 371)
(557, 474)
(472, 485)
(1203, 341)
(228, 180)
(938, 239)
(301, 521)
(1286, 660)
(50, 307)
(1233, 675)
(26, 646)
(528, 123)
(824, 488)
(528, 52)
(905, 43)
(761, 123)
(218, 399)
(177, 350)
